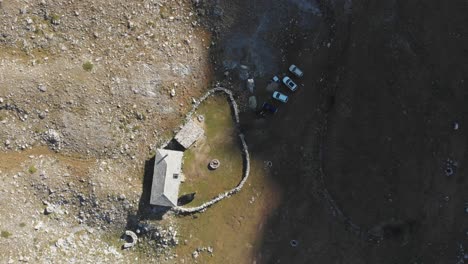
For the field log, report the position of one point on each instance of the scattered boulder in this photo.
(210, 250)
(251, 85)
(164, 238)
(53, 139)
(243, 72)
(42, 88)
(50, 209)
(253, 103)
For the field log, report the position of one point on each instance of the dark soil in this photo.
(371, 127)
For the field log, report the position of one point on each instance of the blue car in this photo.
(266, 107)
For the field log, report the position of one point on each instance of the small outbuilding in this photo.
(166, 177)
(189, 133)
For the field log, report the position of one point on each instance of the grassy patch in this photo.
(233, 226)
(6, 234)
(22, 224)
(2, 116)
(165, 11)
(88, 66)
(220, 143)
(32, 169)
(55, 19)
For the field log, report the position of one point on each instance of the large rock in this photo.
(53, 139)
(251, 85)
(253, 103)
(243, 72)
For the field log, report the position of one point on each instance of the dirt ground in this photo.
(362, 149)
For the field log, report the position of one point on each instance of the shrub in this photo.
(88, 66)
(32, 169)
(55, 19)
(5, 234)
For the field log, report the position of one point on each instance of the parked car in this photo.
(295, 70)
(266, 107)
(280, 97)
(275, 79)
(289, 83)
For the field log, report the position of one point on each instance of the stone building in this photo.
(166, 177)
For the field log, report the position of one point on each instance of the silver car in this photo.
(289, 83)
(295, 70)
(280, 97)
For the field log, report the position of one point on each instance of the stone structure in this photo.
(189, 133)
(166, 178)
(133, 237)
(245, 152)
(214, 164)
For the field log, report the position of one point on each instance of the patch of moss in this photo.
(221, 143)
(5, 234)
(32, 169)
(22, 224)
(88, 66)
(165, 12)
(54, 19)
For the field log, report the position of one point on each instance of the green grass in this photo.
(6, 234)
(32, 169)
(88, 66)
(220, 143)
(112, 239)
(232, 220)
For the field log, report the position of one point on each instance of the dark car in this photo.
(266, 107)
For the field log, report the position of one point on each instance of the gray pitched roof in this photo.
(165, 187)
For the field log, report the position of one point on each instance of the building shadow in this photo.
(146, 211)
(173, 145)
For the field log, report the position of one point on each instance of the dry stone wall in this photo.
(245, 152)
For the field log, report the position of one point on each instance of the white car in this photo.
(289, 83)
(294, 69)
(280, 97)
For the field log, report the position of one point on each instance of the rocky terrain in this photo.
(87, 90)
